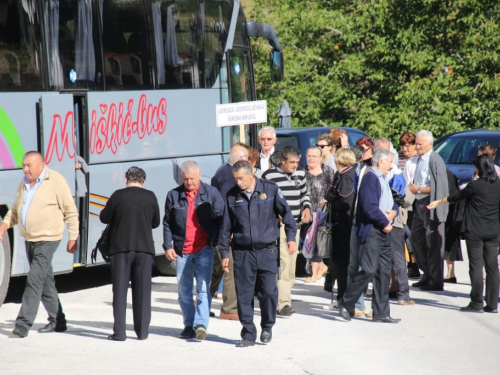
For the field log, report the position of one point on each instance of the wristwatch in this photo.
(418, 191)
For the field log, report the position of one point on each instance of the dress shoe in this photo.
(114, 338)
(393, 295)
(225, 316)
(451, 280)
(201, 332)
(420, 283)
(286, 311)
(491, 310)
(53, 327)
(344, 313)
(20, 330)
(387, 319)
(414, 274)
(212, 314)
(404, 302)
(266, 336)
(187, 333)
(431, 288)
(471, 309)
(244, 343)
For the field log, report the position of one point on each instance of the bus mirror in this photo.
(277, 67)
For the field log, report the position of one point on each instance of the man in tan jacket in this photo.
(43, 204)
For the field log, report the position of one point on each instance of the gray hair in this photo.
(190, 166)
(383, 140)
(243, 164)
(236, 153)
(288, 151)
(358, 152)
(269, 129)
(135, 174)
(316, 148)
(427, 134)
(378, 154)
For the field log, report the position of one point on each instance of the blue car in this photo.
(459, 150)
(303, 138)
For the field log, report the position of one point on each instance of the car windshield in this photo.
(463, 150)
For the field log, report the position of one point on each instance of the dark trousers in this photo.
(375, 262)
(256, 271)
(135, 267)
(483, 252)
(40, 285)
(399, 263)
(341, 241)
(228, 290)
(427, 240)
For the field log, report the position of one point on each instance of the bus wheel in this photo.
(4, 266)
(166, 267)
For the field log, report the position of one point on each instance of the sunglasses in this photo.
(322, 146)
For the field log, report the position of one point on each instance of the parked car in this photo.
(459, 150)
(303, 138)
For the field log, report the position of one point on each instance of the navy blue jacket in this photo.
(254, 224)
(223, 180)
(209, 208)
(368, 213)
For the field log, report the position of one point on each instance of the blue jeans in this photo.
(198, 266)
(354, 266)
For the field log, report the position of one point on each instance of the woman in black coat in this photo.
(480, 229)
(132, 213)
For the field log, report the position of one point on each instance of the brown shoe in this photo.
(229, 316)
(359, 312)
(406, 303)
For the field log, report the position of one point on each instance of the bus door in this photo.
(58, 147)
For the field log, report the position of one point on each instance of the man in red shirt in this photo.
(193, 213)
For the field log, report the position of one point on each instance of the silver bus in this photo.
(119, 83)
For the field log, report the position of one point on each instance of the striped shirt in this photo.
(293, 187)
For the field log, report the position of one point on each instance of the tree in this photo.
(384, 66)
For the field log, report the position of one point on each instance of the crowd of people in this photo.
(391, 216)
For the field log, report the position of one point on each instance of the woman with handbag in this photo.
(341, 195)
(318, 177)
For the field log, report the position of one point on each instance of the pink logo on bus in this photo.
(62, 139)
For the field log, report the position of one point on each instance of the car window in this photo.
(284, 141)
(461, 150)
(353, 137)
(312, 139)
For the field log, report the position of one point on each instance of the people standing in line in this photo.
(132, 212)
(318, 177)
(223, 181)
(251, 222)
(267, 139)
(292, 183)
(325, 143)
(430, 183)
(375, 211)
(193, 214)
(43, 205)
(341, 195)
(480, 228)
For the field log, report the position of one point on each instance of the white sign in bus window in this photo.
(241, 113)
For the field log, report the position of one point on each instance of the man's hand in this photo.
(170, 254)
(291, 246)
(72, 248)
(391, 214)
(225, 264)
(413, 188)
(387, 229)
(306, 216)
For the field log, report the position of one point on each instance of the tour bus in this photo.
(119, 83)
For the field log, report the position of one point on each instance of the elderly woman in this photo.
(480, 228)
(132, 212)
(325, 143)
(341, 195)
(318, 178)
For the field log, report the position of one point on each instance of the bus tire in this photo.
(166, 267)
(4, 266)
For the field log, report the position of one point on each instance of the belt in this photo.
(269, 246)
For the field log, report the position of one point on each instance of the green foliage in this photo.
(384, 66)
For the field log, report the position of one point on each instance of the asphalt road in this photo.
(432, 338)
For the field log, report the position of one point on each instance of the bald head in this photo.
(382, 142)
(238, 153)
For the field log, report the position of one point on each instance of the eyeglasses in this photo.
(407, 146)
(322, 146)
(312, 156)
(266, 139)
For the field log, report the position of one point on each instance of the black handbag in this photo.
(103, 244)
(324, 236)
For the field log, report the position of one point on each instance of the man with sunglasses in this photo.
(292, 183)
(266, 138)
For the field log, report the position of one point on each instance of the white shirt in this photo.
(264, 160)
(410, 167)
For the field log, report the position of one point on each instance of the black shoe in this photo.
(344, 313)
(393, 295)
(414, 274)
(286, 311)
(387, 319)
(266, 336)
(469, 308)
(201, 332)
(451, 280)
(244, 343)
(187, 333)
(49, 328)
(212, 314)
(431, 288)
(420, 283)
(114, 338)
(491, 310)
(20, 330)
